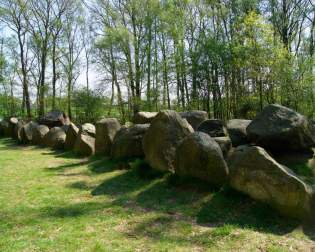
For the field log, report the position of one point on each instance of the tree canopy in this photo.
(229, 58)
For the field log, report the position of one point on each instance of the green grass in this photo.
(55, 201)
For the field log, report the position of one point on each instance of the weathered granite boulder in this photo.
(55, 138)
(88, 129)
(106, 130)
(195, 117)
(18, 130)
(39, 132)
(225, 144)
(12, 123)
(161, 140)
(54, 118)
(254, 172)
(213, 127)
(144, 117)
(85, 142)
(199, 156)
(128, 142)
(27, 132)
(71, 136)
(237, 131)
(278, 128)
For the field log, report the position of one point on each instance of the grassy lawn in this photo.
(54, 201)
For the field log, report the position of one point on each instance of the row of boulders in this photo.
(192, 145)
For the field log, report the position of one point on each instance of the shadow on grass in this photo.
(165, 194)
(195, 200)
(72, 210)
(9, 144)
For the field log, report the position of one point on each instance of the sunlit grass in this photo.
(55, 201)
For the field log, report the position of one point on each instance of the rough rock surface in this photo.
(166, 132)
(278, 128)
(213, 127)
(55, 138)
(18, 131)
(225, 144)
(12, 123)
(254, 172)
(144, 117)
(106, 130)
(195, 117)
(85, 142)
(200, 156)
(54, 118)
(39, 133)
(71, 136)
(128, 142)
(88, 129)
(27, 132)
(237, 131)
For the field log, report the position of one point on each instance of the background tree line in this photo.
(228, 57)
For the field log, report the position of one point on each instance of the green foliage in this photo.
(88, 106)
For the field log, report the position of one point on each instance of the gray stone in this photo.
(225, 144)
(278, 128)
(55, 138)
(11, 130)
(71, 136)
(213, 127)
(106, 130)
(88, 129)
(27, 132)
(85, 142)
(18, 130)
(39, 132)
(237, 131)
(144, 117)
(195, 117)
(166, 132)
(254, 172)
(200, 156)
(54, 118)
(128, 142)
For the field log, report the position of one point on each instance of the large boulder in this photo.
(12, 123)
(166, 132)
(18, 130)
(128, 142)
(278, 129)
(106, 130)
(39, 132)
(85, 142)
(200, 156)
(27, 132)
(195, 117)
(88, 129)
(85, 145)
(54, 118)
(144, 117)
(225, 144)
(213, 127)
(237, 131)
(71, 136)
(254, 172)
(55, 138)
